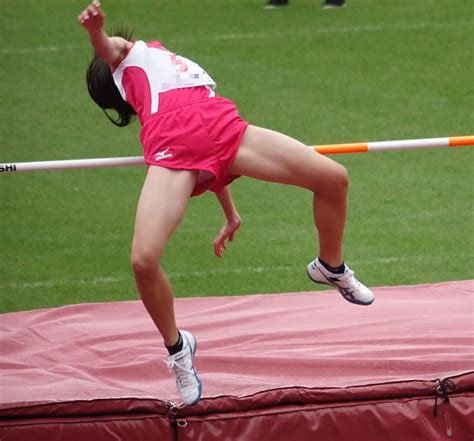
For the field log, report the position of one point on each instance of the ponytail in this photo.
(104, 92)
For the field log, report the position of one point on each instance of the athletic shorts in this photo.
(193, 131)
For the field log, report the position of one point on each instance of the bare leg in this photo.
(161, 206)
(273, 157)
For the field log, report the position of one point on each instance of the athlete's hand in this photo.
(226, 233)
(92, 17)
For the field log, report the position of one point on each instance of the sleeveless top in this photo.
(148, 70)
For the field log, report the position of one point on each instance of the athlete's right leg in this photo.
(274, 157)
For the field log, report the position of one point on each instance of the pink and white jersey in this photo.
(150, 69)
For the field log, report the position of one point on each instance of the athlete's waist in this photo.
(176, 98)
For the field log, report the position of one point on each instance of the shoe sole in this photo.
(354, 301)
(193, 352)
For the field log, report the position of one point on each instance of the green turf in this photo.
(376, 70)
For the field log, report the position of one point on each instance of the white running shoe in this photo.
(350, 288)
(182, 364)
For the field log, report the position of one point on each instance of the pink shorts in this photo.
(194, 132)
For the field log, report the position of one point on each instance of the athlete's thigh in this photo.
(161, 206)
(274, 157)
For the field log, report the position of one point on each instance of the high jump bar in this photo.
(329, 149)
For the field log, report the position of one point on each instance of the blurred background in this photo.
(375, 70)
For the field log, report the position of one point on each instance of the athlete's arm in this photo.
(231, 224)
(111, 49)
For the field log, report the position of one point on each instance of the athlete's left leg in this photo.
(162, 204)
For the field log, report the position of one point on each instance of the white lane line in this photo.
(209, 273)
(333, 30)
(263, 35)
(29, 50)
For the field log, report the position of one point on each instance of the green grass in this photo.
(376, 70)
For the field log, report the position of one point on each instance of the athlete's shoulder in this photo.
(135, 55)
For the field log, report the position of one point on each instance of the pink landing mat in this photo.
(296, 366)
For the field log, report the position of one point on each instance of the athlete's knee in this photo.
(342, 178)
(334, 183)
(144, 262)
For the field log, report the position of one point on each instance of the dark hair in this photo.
(102, 88)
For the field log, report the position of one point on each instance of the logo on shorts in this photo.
(163, 155)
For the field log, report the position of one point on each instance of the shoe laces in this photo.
(352, 280)
(184, 375)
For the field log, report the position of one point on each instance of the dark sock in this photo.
(338, 270)
(178, 346)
